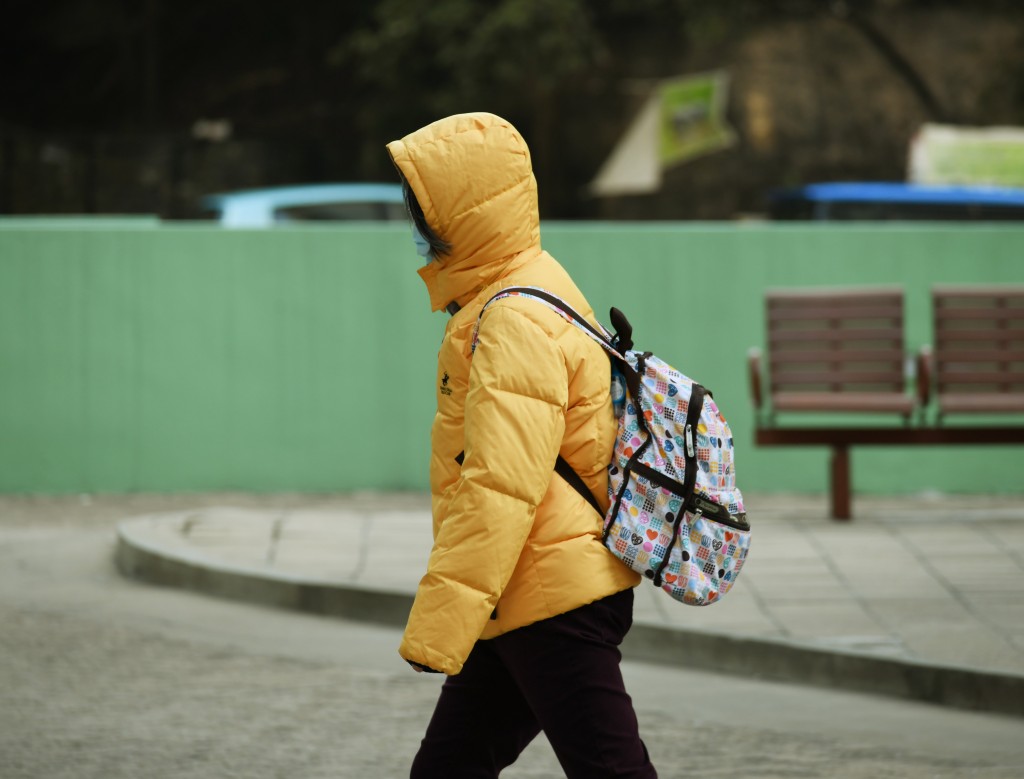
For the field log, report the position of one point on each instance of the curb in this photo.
(747, 656)
(759, 658)
(136, 558)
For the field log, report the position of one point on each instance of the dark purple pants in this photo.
(560, 675)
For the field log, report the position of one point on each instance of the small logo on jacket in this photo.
(445, 389)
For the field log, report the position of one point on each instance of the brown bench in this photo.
(977, 363)
(836, 350)
(831, 351)
(842, 352)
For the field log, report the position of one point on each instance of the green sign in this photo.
(968, 155)
(692, 119)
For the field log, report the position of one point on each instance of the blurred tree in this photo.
(415, 63)
(324, 84)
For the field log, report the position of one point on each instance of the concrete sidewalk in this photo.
(919, 597)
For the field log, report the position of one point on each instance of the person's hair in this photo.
(438, 245)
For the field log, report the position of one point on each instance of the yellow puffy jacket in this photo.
(513, 542)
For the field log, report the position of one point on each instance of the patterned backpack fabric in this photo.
(676, 515)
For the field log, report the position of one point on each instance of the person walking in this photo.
(521, 604)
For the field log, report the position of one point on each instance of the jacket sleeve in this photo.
(514, 422)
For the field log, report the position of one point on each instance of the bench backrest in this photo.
(979, 339)
(835, 341)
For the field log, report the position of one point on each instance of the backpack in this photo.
(676, 515)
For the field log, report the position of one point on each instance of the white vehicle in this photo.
(308, 202)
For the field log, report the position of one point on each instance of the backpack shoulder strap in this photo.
(562, 467)
(567, 472)
(559, 306)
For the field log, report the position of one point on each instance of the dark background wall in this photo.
(121, 106)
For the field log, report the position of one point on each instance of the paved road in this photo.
(104, 677)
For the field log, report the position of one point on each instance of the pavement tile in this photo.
(882, 644)
(944, 536)
(343, 534)
(298, 526)
(900, 588)
(298, 561)
(969, 646)
(1008, 613)
(825, 620)
(925, 612)
(871, 573)
(250, 557)
(259, 545)
(230, 519)
(734, 617)
(780, 587)
(991, 555)
(782, 547)
(760, 558)
(250, 536)
(403, 559)
(388, 530)
(990, 588)
(326, 543)
(850, 566)
(323, 571)
(879, 545)
(243, 530)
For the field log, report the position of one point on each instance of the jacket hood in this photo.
(473, 178)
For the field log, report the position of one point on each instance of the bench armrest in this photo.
(925, 371)
(754, 373)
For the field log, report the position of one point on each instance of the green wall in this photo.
(189, 358)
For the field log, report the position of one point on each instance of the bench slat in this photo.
(844, 355)
(840, 295)
(968, 376)
(995, 315)
(835, 378)
(948, 291)
(858, 336)
(979, 357)
(976, 341)
(844, 292)
(876, 402)
(975, 403)
(837, 314)
(900, 436)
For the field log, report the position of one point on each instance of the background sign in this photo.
(942, 154)
(693, 117)
(681, 118)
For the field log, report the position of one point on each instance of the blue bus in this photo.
(891, 201)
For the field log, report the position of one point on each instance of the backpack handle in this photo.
(623, 339)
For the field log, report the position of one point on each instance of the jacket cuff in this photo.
(425, 668)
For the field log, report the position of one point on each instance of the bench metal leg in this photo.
(839, 482)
